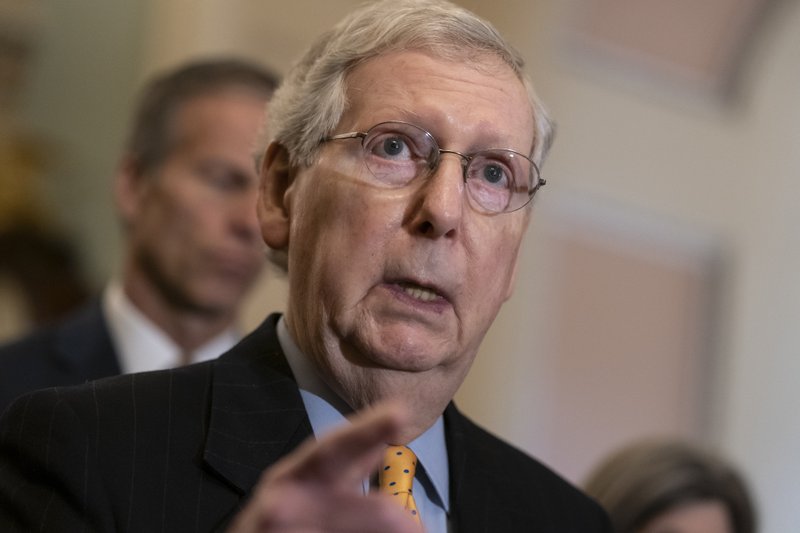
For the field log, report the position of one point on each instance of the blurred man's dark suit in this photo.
(180, 450)
(70, 352)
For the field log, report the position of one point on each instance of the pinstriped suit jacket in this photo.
(180, 450)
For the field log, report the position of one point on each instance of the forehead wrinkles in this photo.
(484, 99)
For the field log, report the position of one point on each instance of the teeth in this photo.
(420, 293)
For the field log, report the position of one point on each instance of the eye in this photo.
(390, 145)
(396, 153)
(223, 177)
(490, 172)
(490, 179)
(494, 174)
(393, 146)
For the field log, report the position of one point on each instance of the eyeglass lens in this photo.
(497, 180)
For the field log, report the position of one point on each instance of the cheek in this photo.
(176, 229)
(179, 225)
(338, 239)
(195, 217)
(492, 256)
(155, 222)
(340, 214)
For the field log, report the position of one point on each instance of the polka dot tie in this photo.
(396, 476)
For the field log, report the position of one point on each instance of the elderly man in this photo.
(186, 194)
(405, 153)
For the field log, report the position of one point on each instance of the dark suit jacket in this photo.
(180, 450)
(71, 352)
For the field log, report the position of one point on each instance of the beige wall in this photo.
(726, 174)
(80, 86)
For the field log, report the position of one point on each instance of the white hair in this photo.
(309, 104)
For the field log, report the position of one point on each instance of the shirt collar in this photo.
(326, 410)
(141, 345)
(431, 452)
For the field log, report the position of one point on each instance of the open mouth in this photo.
(418, 292)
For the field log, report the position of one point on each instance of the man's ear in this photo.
(276, 176)
(129, 190)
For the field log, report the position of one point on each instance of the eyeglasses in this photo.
(497, 180)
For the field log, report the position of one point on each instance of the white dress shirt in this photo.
(141, 345)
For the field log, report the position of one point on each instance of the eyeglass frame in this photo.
(465, 158)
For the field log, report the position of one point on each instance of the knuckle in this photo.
(279, 505)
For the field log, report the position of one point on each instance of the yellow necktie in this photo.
(396, 476)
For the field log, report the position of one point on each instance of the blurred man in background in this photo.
(185, 192)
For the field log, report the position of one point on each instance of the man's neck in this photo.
(426, 394)
(189, 329)
(327, 411)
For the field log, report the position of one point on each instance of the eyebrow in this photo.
(431, 126)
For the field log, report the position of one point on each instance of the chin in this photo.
(222, 296)
(213, 304)
(405, 356)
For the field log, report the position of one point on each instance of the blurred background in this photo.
(659, 287)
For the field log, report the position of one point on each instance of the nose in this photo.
(440, 202)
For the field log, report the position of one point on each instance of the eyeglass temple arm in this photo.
(350, 135)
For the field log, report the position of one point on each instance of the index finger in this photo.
(348, 454)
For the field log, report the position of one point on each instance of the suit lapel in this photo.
(467, 505)
(257, 414)
(243, 440)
